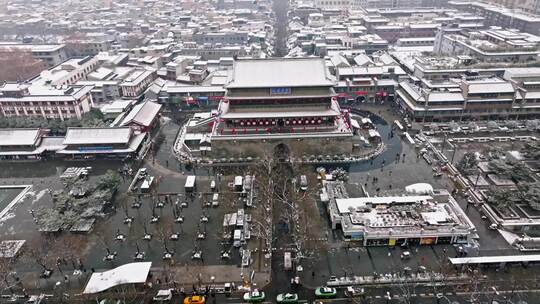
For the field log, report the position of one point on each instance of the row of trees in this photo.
(94, 118)
(524, 194)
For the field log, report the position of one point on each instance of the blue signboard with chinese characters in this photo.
(280, 91)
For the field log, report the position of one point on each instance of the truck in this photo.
(237, 238)
(190, 183)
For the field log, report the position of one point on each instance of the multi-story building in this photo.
(469, 98)
(529, 6)
(371, 83)
(275, 107)
(393, 32)
(66, 73)
(137, 82)
(47, 102)
(51, 54)
(489, 45)
(500, 16)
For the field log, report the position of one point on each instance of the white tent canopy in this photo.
(420, 188)
(132, 273)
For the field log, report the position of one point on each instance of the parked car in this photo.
(163, 295)
(353, 291)
(405, 255)
(287, 298)
(254, 296)
(325, 292)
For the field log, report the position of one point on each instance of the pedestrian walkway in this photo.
(211, 274)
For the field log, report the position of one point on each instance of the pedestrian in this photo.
(313, 273)
(92, 269)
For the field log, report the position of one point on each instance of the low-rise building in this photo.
(141, 118)
(87, 143)
(429, 219)
(27, 144)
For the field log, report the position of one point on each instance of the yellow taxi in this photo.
(194, 300)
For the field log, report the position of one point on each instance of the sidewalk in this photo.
(209, 275)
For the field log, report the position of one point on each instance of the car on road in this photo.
(353, 291)
(287, 298)
(194, 300)
(163, 295)
(254, 296)
(325, 292)
(405, 255)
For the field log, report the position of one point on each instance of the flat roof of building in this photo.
(345, 205)
(267, 73)
(31, 47)
(84, 136)
(18, 137)
(496, 259)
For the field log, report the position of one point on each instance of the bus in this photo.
(287, 260)
(146, 184)
(247, 183)
(238, 183)
(190, 183)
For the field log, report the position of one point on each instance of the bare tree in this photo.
(19, 65)
(40, 250)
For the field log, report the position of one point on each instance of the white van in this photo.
(215, 200)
